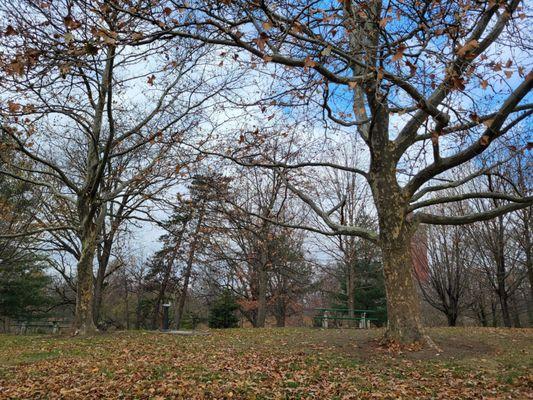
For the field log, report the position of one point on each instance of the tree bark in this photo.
(494, 309)
(350, 289)
(403, 305)
(281, 312)
(529, 264)
(126, 301)
(516, 313)
(262, 295)
(84, 321)
(452, 319)
(395, 233)
(502, 291)
(482, 316)
(103, 261)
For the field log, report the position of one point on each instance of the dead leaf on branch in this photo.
(309, 62)
(467, 48)
(71, 23)
(10, 31)
(399, 53)
(261, 41)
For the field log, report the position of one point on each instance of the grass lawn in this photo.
(287, 363)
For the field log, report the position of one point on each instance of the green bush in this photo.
(222, 314)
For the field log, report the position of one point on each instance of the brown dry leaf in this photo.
(285, 363)
(261, 41)
(467, 48)
(10, 31)
(15, 68)
(136, 36)
(13, 106)
(309, 62)
(71, 23)
(384, 21)
(399, 53)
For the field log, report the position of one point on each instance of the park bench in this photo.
(327, 317)
(54, 327)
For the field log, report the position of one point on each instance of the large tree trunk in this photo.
(98, 294)
(84, 321)
(403, 304)
(395, 233)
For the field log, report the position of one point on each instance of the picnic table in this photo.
(53, 326)
(327, 317)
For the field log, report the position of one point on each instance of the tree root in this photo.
(396, 346)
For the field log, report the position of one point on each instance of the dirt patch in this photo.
(365, 345)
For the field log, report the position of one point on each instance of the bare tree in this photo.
(245, 244)
(89, 99)
(410, 78)
(451, 260)
(290, 277)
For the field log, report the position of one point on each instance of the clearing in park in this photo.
(290, 363)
